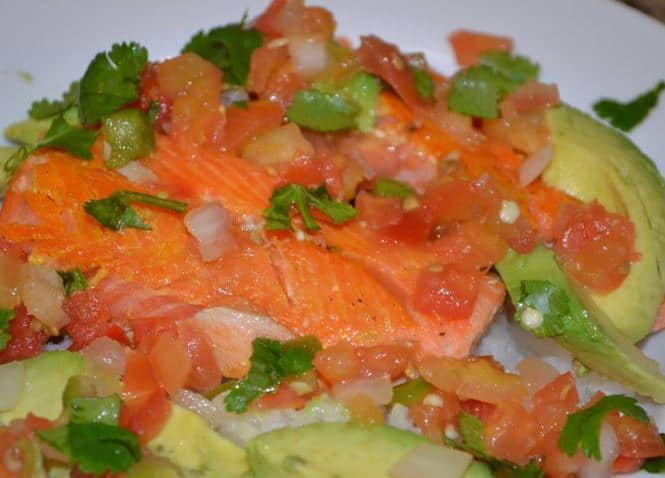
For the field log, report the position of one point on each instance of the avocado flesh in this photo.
(46, 377)
(342, 450)
(196, 449)
(30, 131)
(589, 335)
(592, 161)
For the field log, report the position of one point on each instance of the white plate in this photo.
(590, 48)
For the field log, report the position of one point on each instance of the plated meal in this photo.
(275, 254)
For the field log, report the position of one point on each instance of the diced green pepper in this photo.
(130, 135)
(411, 392)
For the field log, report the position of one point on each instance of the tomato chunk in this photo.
(25, 341)
(468, 45)
(448, 291)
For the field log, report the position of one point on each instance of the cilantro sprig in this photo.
(625, 116)
(45, 108)
(61, 135)
(5, 316)
(582, 428)
(229, 48)
(271, 362)
(477, 90)
(111, 81)
(322, 111)
(93, 439)
(73, 280)
(278, 213)
(115, 212)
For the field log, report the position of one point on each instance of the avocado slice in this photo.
(30, 130)
(593, 161)
(190, 444)
(590, 335)
(46, 377)
(335, 450)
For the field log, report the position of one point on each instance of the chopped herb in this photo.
(271, 362)
(424, 83)
(412, 392)
(229, 48)
(582, 428)
(514, 67)
(5, 316)
(95, 447)
(61, 135)
(471, 429)
(391, 188)
(625, 116)
(656, 464)
(278, 213)
(477, 90)
(45, 108)
(95, 410)
(130, 135)
(111, 81)
(321, 111)
(363, 90)
(73, 280)
(115, 213)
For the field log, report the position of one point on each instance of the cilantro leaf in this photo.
(424, 83)
(62, 135)
(582, 428)
(278, 213)
(44, 108)
(514, 67)
(656, 464)
(130, 135)
(321, 111)
(115, 213)
(111, 81)
(5, 316)
(95, 410)
(391, 188)
(73, 280)
(229, 48)
(271, 362)
(477, 90)
(625, 116)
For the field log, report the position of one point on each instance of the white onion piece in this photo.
(535, 165)
(106, 353)
(43, 296)
(137, 173)
(309, 55)
(609, 450)
(536, 373)
(12, 378)
(210, 225)
(199, 405)
(431, 461)
(233, 95)
(378, 389)
(10, 274)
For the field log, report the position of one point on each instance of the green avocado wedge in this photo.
(592, 161)
(536, 281)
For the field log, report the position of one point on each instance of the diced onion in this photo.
(609, 450)
(199, 405)
(535, 165)
(233, 95)
(431, 461)
(12, 378)
(106, 353)
(137, 173)
(309, 55)
(209, 224)
(536, 373)
(378, 389)
(278, 145)
(10, 273)
(43, 296)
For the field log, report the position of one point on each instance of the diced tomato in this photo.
(283, 397)
(337, 363)
(378, 212)
(432, 420)
(204, 373)
(414, 229)
(501, 437)
(264, 62)
(448, 292)
(384, 60)
(520, 236)
(468, 45)
(282, 85)
(146, 419)
(554, 402)
(636, 439)
(242, 124)
(461, 201)
(482, 410)
(476, 245)
(595, 247)
(313, 172)
(533, 95)
(383, 360)
(193, 86)
(170, 362)
(90, 318)
(146, 327)
(624, 465)
(291, 17)
(25, 341)
(10, 435)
